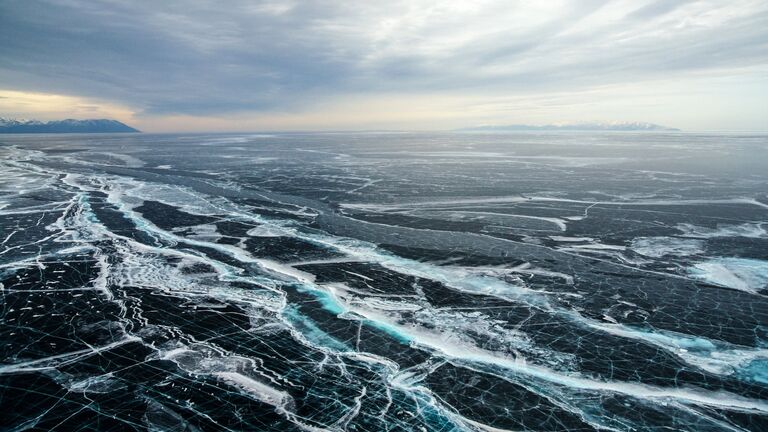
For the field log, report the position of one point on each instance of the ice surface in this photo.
(364, 282)
(657, 247)
(750, 230)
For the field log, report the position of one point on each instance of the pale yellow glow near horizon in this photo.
(47, 106)
(681, 103)
(665, 102)
(387, 111)
(355, 112)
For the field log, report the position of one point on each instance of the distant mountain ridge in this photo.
(585, 126)
(20, 126)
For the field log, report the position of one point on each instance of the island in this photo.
(14, 126)
(584, 126)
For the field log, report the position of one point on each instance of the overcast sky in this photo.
(242, 65)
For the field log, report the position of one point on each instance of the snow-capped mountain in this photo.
(581, 126)
(10, 125)
(7, 122)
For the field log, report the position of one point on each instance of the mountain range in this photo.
(20, 126)
(585, 126)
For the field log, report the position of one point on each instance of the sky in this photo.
(237, 65)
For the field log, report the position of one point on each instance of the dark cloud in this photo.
(197, 57)
(200, 60)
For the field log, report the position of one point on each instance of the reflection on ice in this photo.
(743, 274)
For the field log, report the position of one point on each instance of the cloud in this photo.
(206, 58)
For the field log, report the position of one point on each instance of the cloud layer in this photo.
(206, 58)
